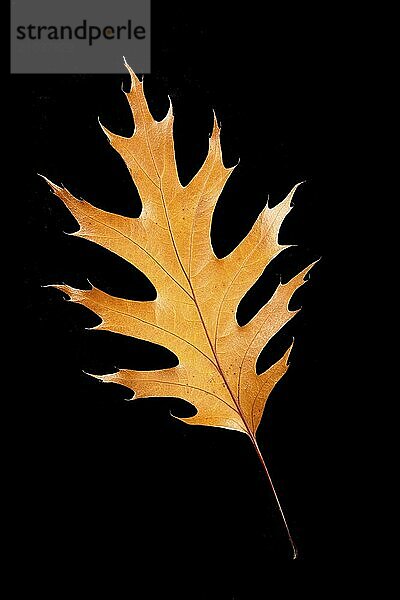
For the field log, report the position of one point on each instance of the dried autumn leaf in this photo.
(194, 313)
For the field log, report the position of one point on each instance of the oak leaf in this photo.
(194, 313)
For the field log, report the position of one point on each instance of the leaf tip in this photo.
(293, 191)
(216, 125)
(97, 327)
(72, 233)
(99, 377)
(102, 378)
(53, 186)
(66, 289)
(134, 78)
(133, 397)
(106, 131)
(284, 360)
(170, 112)
(311, 266)
(47, 285)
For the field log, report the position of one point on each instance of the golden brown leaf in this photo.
(194, 313)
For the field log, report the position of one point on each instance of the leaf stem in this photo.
(260, 456)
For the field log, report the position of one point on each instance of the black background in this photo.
(105, 478)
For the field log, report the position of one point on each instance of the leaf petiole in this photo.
(261, 458)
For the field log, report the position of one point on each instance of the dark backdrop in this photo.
(105, 478)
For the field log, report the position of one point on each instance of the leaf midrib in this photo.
(219, 368)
